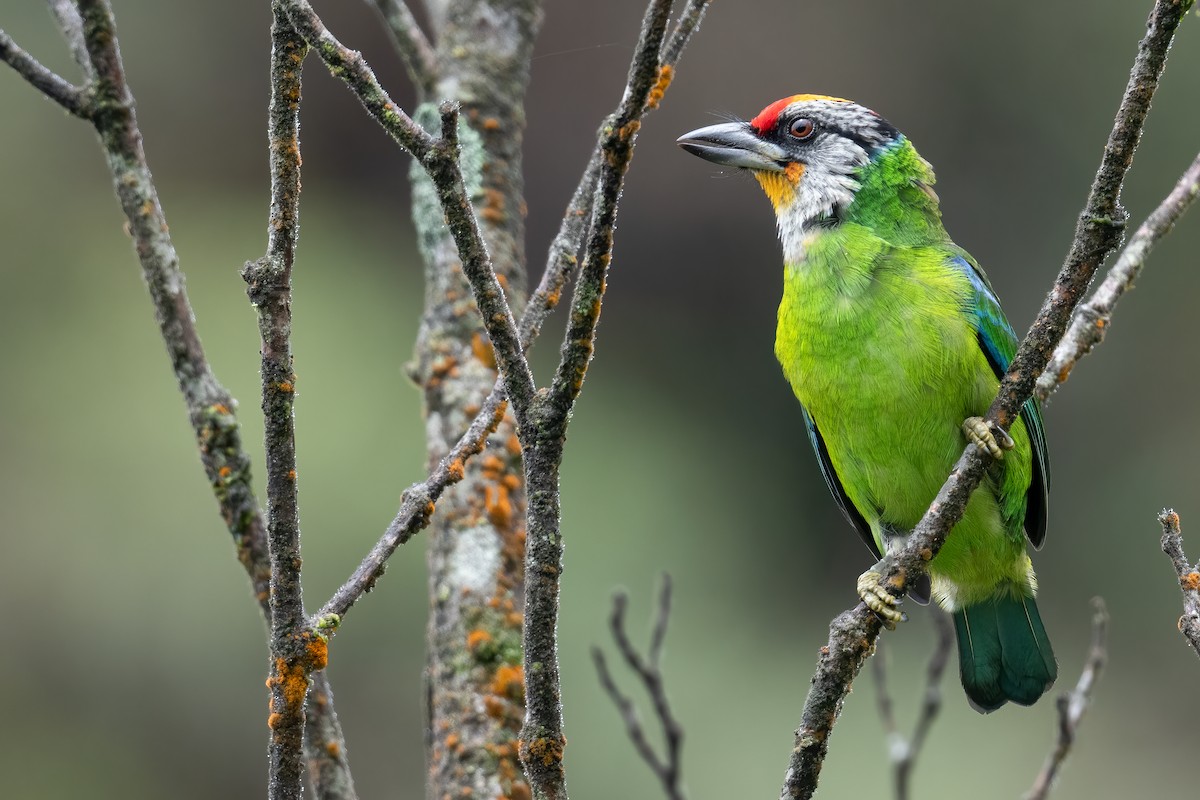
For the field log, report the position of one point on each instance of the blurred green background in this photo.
(134, 656)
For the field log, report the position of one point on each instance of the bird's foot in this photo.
(879, 599)
(988, 436)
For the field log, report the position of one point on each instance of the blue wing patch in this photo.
(999, 344)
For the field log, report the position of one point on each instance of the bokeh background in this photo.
(133, 655)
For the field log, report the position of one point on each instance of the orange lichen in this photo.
(318, 654)
(220, 408)
(456, 469)
(333, 749)
(499, 507)
(492, 464)
(514, 619)
(509, 681)
(665, 74)
(513, 445)
(483, 351)
(291, 474)
(629, 129)
(476, 638)
(274, 720)
(225, 472)
(491, 124)
(452, 741)
(285, 386)
(547, 750)
(511, 482)
(493, 206)
(494, 706)
(1191, 581)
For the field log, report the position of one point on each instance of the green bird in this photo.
(894, 343)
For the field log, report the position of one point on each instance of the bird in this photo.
(894, 342)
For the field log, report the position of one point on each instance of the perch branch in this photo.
(1093, 319)
(903, 752)
(853, 633)
(411, 43)
(649, 674)
(1072, 705)
(1189, 577)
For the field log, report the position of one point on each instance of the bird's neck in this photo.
(891, 198)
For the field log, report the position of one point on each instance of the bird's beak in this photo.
(734, 144)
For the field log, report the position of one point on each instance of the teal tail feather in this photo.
(1003, 652)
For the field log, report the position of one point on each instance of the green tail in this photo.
(1003, 652)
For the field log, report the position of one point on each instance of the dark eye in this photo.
(802, 128)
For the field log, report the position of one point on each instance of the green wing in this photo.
(999, 344)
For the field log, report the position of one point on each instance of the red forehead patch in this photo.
(767, 118)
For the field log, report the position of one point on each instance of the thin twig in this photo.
(411, 43)
(1072, 705)
(45, 80)
(687, 25)
(66, 13)
(853, 633)
(269, 286)
(1093, 319)
(542, 739)
(902, 752)
(650, 675)
(1188, 574)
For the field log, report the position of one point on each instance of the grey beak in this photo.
(734, 144)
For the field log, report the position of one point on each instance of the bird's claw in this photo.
(879, 599)
(988, 436)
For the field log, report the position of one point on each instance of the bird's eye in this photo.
(801, 128)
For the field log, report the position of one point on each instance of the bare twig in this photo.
(853, 633)
(1093, 319)
(1072, 705)
(69, 22)
(649, 673)
(295, 651)
(411, 43)
(903, 752)
(324, 745)
(45, 80)
(1188, 574)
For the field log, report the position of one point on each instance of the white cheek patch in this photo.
(826, 188)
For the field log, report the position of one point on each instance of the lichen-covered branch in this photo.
(66, 14)
(647, 669)
(1188, 574)
(411, 43)
(853, 633)
(269, 286)
(542, 739)
(1093, 319)
(903, 752)
(1072, 705)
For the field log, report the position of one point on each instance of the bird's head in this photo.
(808, 152)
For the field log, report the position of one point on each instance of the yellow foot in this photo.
(988, 436)
(879, 599)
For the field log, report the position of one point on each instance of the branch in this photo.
(542, 739)
(1189, 577)
(1093, 319)
(411, 43)
(666, 769)
(45, 80)
(853, 633)
(902, 752)
(1072, 705)
(269, 286)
